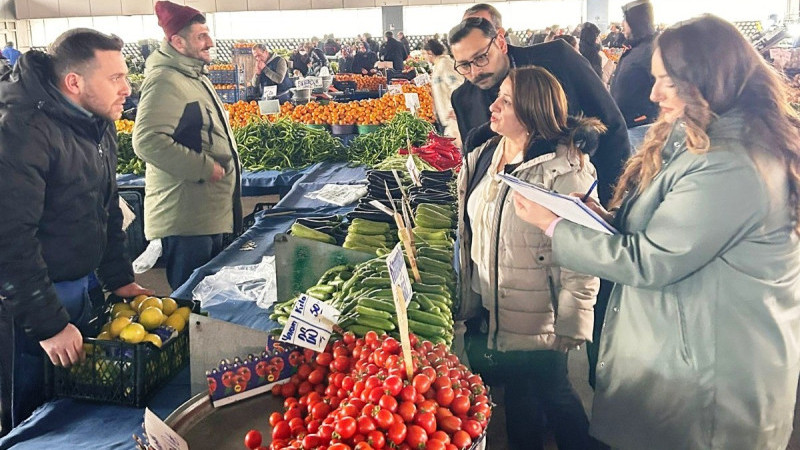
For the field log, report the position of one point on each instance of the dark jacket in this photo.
(591, 51)
(373, 45)
(299, 62)
(585, 94)
(394, 51)
(61, 216)
(614, 39)
(632, 82)
(364, 60)
(275, 69)
(406, 45)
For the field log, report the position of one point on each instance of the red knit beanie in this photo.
(173, 18)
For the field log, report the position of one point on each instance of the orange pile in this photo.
(220, 67)
(363, 82)
(224, 86)
(363, 112)
(244, 45)
(124, 126)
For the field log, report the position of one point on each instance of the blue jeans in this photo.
(184, 254)
(22, 368)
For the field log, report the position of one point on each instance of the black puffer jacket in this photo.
(61, 216)
(632, 82)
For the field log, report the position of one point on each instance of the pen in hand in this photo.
(589, 192)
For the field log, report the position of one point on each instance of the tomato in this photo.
(460, 405)
(408, 393)
(375, 395)
(428, 406)
(316, 376)
(276, 389)
(304, 370)
(252, 439)
(442, 382)
(361, 445)
(313, 426)
(297, 426)
(426, 420)
(372, 382)
(460, 439)
(440, 435)
(391, 345)
(392, 362)
(421, 383)
(320, 410)
(430, 372)
(324, 359)
(393, 385)
(281, 430)
(371, 338)
(444, 396)
(275, 418)
(376, 439)
(477, 389)
(473, 428)
(312, 441)
(450, 424)
(347, 383)
(358, 387)
(397, 433)
(481, 399)
(349, 410)
(365, 424)
(326, 431)
(346, 427)
(442, 412)
(340, 351)
(434, 444)
(416, 436)
(289, 402)
(384, 419)
(388, 402)
(292, 412)
(288, 389)
(407, 411)
(349, 338)
(339, 446)
(304, 388)
(340, 364)
(372, 369)
(278, 445)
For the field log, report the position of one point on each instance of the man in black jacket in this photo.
(61, 217)
(392, 50)
(364, 60)
(632, 81)
(484, 58)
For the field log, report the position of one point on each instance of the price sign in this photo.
(398, 273)
(310, 323)
(411, 165)
(305, 83)
(270, 91)
(412, 102)
(423, 79)
(394, 89)
(269, 106)
(160, 435)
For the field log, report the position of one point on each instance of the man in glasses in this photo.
(484, 57)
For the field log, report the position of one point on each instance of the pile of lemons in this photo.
(134, 321)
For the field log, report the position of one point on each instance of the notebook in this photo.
(568, 207)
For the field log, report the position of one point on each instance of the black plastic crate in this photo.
(135, 239)
(228, 95)
(120, 372)
(223, 76)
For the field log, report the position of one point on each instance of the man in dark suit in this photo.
(484, 58)
(393, 51)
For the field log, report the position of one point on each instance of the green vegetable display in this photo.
(370, 149)
(127, 161)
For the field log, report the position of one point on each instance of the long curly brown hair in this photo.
(716, 71)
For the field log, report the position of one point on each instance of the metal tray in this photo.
(206, 427)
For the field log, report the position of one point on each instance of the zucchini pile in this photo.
(330, 229)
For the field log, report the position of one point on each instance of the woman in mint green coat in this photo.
(701, 342)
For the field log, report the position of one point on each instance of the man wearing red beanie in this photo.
(192, 180)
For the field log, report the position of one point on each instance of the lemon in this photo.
(117, 307)
(118, 324)
(105, 336)
(124, 313)
(106, 327)
(150, 337)
(170, 306)
(133, 333)
(150, 302)
(176, 321)
(184, 311)
(151, 318)
(139, 298)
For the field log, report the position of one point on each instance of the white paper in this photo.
(310, 324)
(421, 80)
(307, 82)
(568, 207)
(339, 194)
(270, 91)
(412, 102)
(411, 165)
(398, 273)
(394, 89)
(381, 207)
(160, 435)
(268, 107)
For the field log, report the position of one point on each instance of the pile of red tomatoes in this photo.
(357, 396)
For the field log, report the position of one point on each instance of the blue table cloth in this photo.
(254, 184)
(76, 424)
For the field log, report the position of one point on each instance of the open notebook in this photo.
(568, 207)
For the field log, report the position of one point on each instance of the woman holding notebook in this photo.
(524, 313)
(701, 342)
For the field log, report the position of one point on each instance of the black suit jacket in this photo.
(585, 95)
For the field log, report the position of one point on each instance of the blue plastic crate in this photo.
(223, 76)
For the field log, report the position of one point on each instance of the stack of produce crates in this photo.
(227, 82)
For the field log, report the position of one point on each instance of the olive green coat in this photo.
(181, 129)
(701, 342)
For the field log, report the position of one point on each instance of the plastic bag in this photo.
(148, 258)
(254, 282)
(339, 194)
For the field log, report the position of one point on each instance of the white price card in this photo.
(381, 207)
(412, 101)
(423, 79)
(268, 107)
(270, 92)
(160, 435)
(394, 89)
(310, 323)
(304, 83)
(411, 165)
(398, 273)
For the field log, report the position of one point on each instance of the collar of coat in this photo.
(168, 56)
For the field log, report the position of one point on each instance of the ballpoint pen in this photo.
(589, 192)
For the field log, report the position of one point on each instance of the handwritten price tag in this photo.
(421, 80)
(398, 273)
(160, 435)
(310, 323)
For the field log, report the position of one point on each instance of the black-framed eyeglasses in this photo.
(481, 60)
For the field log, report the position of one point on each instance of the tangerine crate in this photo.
(228, 95)
(223, 76)
(119, 372)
